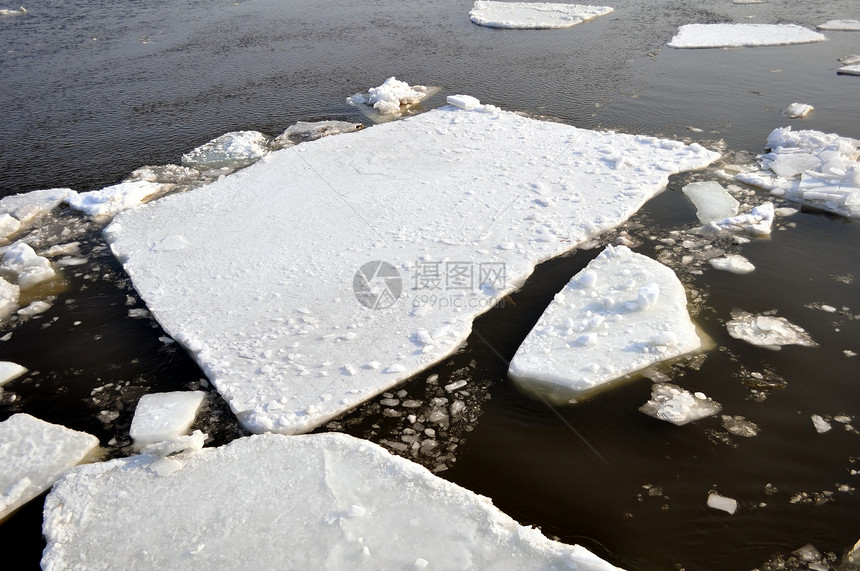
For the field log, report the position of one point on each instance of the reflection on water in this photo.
(92, 92)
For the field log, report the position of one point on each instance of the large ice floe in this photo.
(33, 455)
(533, 15)
(811, 167)
(333, 270)
(620, 314)
(324, 501)
(740, 35)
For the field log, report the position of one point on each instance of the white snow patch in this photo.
(533, 15)
(233, 150)
(320, 501)
(10, 371)
(34, 454)
(392, 97)
(798, 110)
(114, 199)
(164, 416)
(734, 263)
(633, 315)
(414, 196)
(738, 35)
(841, 25)
(711, 200)
(21, 264)
(673, 404)
(767, 331)
(723, 503)
(811, 167)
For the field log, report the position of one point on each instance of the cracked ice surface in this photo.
(620, 314)
(34, 454)
(324, 501)
(811, 167)
(268, 309)
(533, 15)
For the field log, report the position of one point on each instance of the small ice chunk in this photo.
(738, 35)
(533, 15)
(22, 264)
(841, 25)
(456, 385)
(849, 70)
(798, 110)
(712, 201)
(767, 331)
(723, 503)
(466, 102)
(10, 371)
(757, 222)
(392, 96)
(29, 207)
(820, 424)
(233, 150)
(673, 404)
(164, 416)
(740, 426)
(114, 199)
(8, 225)
(34, 454)
(734, 263)
(8, 298)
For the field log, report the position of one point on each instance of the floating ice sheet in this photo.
(849, 70)
(739, 35)
(673, 404)
(304, 288)
(164, 416)
(620, 314)
(33, 455)
(811, 167)
(711, 200)
(10, 371)
(798, 110)
(734, 263)
(233, 150)
(767, 330)
(757, 222)
(20, 211)
(324, 501)
(113, 199)
(533, 15)
(841, 25)
(21, 264)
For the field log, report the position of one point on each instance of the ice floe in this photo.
(21, 264)
(324, 501)
(533, 15)
(164, 416)
(767, 330)
(392, 97)
(757, 222)
(820, 424)
(11, 12)
(841, 25)
(798, 110)
(110, 200)
(740, 426)
(711, 200)
(19, 212)
(232, 150)
(9, 295)
(811, 167)
(673, 404)
(739, 35)
(849, 70)
(718, 502)
(620, 314)
(34, 454)
(734, 263)
(10, 371)
(268, 309)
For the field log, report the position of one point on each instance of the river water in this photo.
(93, 90)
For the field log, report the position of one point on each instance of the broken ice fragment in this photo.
(392, 97)
(841, 25)
(798, 110)
(603, 343)
(10, 371)
(723, 503)
(821, 425)
(712, 201)
(532, 15)
(740, 426)
(849, 70)
(757, 222)
(673, 404)
(164, 416)
(734, 263)
(767, 331)
(21, 263)
(738, 35)
(232, 150)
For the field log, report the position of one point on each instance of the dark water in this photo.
(92, 91)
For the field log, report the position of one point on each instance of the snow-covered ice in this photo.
(853, 59)
(798, 110)
(303, 131)
(22, 265)
(392, 97)
(757, 222)
(711, 200)
(767, 330)
(739, 35)
(164, 416)
(233, 150)
(34, 454)
(673, 404)
(112, 199)
(323, 501)
(533, 15)
(841, 25)
(811, 167)
(723, 503)
(21, 211)
(10, 371)
(734, 263)
(9, 295)
(849, 70)
(620, 314)
(461, 205)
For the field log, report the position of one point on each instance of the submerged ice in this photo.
(270, 501)
(533, 15)
(295, 334)
(620, 314)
